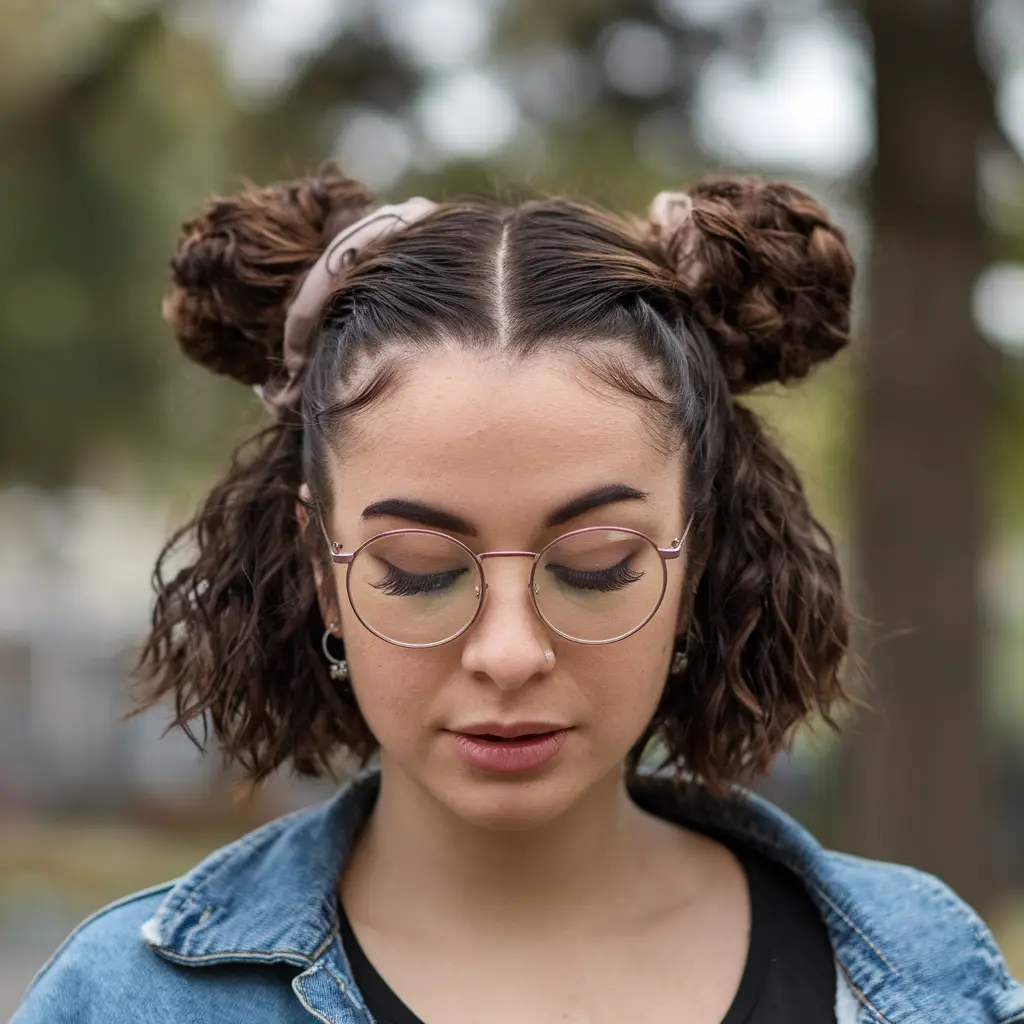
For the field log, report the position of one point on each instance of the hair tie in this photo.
(305, 310)
(671, 215)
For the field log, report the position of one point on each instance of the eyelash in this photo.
(401, 584)
(618, 577)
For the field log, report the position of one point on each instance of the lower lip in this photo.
(512, 755)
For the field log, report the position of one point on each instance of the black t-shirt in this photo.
(789, 973)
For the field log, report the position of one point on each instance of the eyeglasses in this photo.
(423, 588)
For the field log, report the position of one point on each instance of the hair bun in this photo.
(237, 264)
(768, 275)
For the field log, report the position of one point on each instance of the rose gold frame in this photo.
(340, 557)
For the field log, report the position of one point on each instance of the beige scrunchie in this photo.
(304, 312)
(671, 217)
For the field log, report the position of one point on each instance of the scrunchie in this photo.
(303, 316)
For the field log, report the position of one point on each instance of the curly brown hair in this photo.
(235, 631)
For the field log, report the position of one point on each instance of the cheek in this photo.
(626, 686)
(629, 678)
(395, 687)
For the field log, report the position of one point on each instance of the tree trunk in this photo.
(919, 774)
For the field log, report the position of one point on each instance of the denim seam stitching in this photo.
(259, 956)
(866, 1003)
(852, 924)
(879, 1016)
(952, 906)
(349, 991)
(301, 993)
(344, 988)
(254, 954)
(322, 948)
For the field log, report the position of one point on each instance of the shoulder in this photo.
(98, 967)
(909, 947)
(909, 939)
(221, 943)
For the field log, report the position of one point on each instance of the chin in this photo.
(520, 802)
(512, 803)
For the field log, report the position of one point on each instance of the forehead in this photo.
(481, 434)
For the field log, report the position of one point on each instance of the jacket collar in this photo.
(271, 896)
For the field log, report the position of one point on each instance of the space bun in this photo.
(765, 271)
(237, 264)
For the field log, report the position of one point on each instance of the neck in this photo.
(418, 862)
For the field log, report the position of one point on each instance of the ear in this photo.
(326, 584)
(695, 560)
(301, 509)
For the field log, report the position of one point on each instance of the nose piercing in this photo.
(549, 655)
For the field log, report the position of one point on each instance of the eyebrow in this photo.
(440, 519)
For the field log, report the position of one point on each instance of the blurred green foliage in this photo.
(116, 124)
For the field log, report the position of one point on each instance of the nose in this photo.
(508, 642)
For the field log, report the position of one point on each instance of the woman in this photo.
(512, 532)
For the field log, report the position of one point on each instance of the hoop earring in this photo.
(339, 666)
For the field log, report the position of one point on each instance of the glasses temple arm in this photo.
(336, 554)
(677, 545)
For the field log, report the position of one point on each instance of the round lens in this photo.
(599, 584)
(413, 587)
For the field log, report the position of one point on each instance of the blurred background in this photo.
(117, 117)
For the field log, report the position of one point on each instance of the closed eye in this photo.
(618, 577)
(398, 583)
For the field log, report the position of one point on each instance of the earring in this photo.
(679, 663)
(339, 666)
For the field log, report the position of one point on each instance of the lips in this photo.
(506, 755)
(521, 737)
(509, 731)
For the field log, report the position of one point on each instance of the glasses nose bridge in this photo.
(482, 598)
(506, 554)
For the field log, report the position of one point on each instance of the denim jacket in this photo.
(250, 936)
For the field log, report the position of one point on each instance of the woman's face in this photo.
(502, 448)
